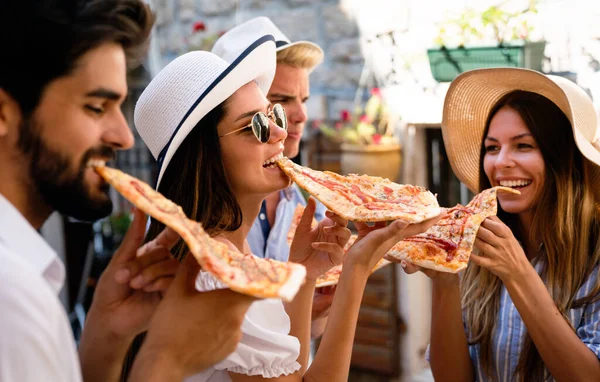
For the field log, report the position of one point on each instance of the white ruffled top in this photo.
(266, 347)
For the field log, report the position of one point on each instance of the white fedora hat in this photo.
(232, 42)
(473, 94)
(190, 87)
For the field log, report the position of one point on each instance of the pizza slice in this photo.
(447, 245)
(332, 276)
(364, 198)
(243, 273)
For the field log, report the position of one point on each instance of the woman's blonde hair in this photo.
(565, 226)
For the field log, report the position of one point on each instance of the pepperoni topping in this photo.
(446, 245)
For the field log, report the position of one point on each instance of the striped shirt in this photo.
(510, 333)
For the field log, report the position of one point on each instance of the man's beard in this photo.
(52, 176)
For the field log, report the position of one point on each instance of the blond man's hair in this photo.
(300, 56)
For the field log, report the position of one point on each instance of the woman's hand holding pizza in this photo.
(320, 248)
(499, 251)
(375, 241)
(436, 276)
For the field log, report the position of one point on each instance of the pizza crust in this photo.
(326, 283)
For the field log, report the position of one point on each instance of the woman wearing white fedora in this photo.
(527, 308)
(215, 137)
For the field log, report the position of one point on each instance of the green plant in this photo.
(496, 23)
(366, 126)
(120, 223)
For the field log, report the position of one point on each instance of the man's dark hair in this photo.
(41, 40)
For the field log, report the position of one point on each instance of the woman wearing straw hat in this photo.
(530, 296)
(215, 137)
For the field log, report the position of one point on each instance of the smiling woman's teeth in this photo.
(515, 183)
(270, 163)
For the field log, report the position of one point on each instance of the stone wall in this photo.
(333, 84)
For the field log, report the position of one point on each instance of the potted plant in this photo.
(367, 145)
(495, 37)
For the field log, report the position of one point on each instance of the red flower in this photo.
(376, 92)
(199, 26)
(377, 138)
(365, 118)
(339, 125)
(316, 124)
(345, 115)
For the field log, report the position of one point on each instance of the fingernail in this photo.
(122, 276)
(138, 281)
(314, 245)
(403, 264)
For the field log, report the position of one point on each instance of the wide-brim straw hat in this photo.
(473, 94)
(230, 44)
(190, 87)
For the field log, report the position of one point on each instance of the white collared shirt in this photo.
(36, 341)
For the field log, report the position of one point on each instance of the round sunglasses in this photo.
(260, 123)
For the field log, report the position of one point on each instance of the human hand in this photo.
(132, 285)
(375, 241)
(320, 248)
(322, 302)
(437, 277)
(499, 251)
(192, 330)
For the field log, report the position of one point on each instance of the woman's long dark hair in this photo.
(565, 224)
(195, 179)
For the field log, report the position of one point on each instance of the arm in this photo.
(320, 310)
(332, 361)
(101, 352)
(300, 320)
(449, 351)
(127, 295)
(564, 354)
(318, 249)
(317, 327)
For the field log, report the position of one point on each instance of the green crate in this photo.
(446, 64)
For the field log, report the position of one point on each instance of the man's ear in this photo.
(10, 113)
